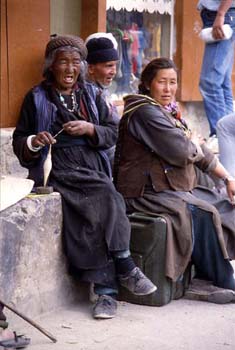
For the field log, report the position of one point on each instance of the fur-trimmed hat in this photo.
(67, 40)
(101, 47)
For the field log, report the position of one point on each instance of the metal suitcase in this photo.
(147, 245)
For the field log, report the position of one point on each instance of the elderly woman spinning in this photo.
(96, 231)
(154, 170)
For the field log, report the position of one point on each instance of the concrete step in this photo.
(33, 274)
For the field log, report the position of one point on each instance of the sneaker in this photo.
(137, 283)
(205, 291)
(105, 307)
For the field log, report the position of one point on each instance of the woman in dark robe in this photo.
(154, 170)
(68, 117)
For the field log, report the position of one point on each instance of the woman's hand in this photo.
(79, 127)
(197, 139)
(229, 181)
(42, 139)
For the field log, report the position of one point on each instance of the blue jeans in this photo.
(226, 138)
(216, 72)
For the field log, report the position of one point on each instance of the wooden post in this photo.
(25, 30)
(93, 17)
(4, 107)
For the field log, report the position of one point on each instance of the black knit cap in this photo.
(101, 50)
(67, 40)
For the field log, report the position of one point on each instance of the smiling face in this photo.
(103, 73)
(164, 86)
(66, 69)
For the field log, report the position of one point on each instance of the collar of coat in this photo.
(134, 101)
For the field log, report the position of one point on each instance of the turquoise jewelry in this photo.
(73, 99)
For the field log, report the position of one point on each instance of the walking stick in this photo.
(27, 319)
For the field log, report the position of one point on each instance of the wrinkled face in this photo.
(66, 69)
(163, 87)
(103, 73)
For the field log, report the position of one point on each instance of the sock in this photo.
(124, 265)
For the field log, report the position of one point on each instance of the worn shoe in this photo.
(205, 291)
(137, 283)
(105, 307)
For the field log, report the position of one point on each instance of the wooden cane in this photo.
(27, 319)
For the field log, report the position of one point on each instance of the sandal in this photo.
(3, 324)
(18, 342)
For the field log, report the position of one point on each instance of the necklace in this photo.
(73, 99)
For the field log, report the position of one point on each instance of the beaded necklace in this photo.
(73, 99)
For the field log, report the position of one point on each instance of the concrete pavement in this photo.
(180, 325)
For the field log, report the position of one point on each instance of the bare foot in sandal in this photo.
(10, 340)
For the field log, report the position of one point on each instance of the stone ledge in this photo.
(9, 163)
(33, 272)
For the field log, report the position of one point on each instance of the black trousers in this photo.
(207, 255)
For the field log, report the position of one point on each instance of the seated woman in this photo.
(96, 231)
(154, 170)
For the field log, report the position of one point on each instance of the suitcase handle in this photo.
(142, 219)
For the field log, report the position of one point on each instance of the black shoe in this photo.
(105, 307)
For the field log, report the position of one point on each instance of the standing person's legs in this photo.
(227, 84)
(226, 138)
(228, 92)
(214, 78)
